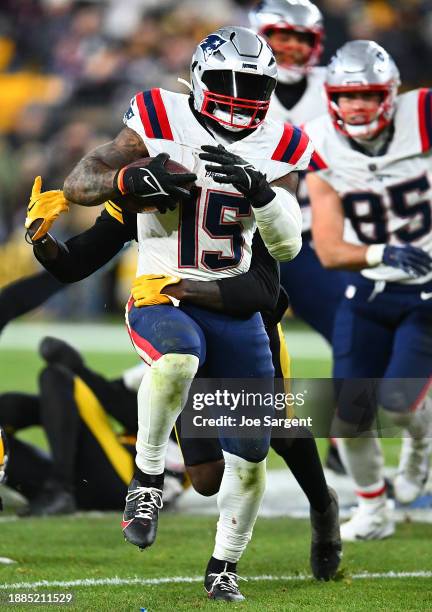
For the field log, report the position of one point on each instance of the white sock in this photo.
(161, 397)
(363, 460)
(239, 498)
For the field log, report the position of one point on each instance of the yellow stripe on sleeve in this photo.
(115, 211)
(95, 418)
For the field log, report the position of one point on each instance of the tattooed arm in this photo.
(91, 182)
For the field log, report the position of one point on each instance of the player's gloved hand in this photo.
(154, 180)
(43, 210)
(147, 289)
(410, 259)
(241, 174)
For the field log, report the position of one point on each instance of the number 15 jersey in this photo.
(210, 235)
(386, 198)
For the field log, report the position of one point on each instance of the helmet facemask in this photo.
(231, 98)
(293, 72)
(233, 75)
(377, 120)
(362, 66)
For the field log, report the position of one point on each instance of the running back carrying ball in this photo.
(153, 184)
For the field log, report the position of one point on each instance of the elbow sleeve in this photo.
(280, 225)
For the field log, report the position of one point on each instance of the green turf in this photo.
(77, 548)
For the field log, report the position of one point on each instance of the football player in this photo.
(373, 174)
(243, 167)
(213, 113)
(238, 296)
(294, 30)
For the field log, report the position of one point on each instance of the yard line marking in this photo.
(117, 581)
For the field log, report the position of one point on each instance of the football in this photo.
(134, 203)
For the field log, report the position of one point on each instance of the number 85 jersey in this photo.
(386, 198)
(210, 235)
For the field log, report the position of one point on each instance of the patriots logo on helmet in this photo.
(211, 44)
(129, 114)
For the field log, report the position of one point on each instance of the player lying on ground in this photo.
(89, 465)
(373, 170)
(249, 183)
(258, 288)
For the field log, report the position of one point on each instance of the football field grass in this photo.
(86, 554)
(92, 550)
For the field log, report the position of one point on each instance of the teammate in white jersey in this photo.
(207, 237)
(295, 31)
(373, 177)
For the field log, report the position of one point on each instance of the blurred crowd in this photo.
(68, 69)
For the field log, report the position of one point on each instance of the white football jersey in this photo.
(209, 236)
(312, 104)
(387, 198)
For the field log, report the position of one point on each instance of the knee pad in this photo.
(250, 474)
(176, 366)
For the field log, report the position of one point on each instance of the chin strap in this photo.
(184, 82)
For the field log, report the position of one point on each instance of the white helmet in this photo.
(290, 16)
(233, 75)
(362, 65)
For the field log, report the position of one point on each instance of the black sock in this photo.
(301, 456)
(149, 480)
(216, 566)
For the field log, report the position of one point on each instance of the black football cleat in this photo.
(223, 586)
(326, 545)
(140, 517)
(52, 501)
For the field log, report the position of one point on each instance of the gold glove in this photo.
(146, 289)
(45, 208)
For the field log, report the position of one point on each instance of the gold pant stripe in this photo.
(2, 451)
(94, 416)
(285, 363)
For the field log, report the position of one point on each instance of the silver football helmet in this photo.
(233, 75)
(362, 65)
(290, 16)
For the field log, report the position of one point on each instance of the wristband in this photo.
(374, 255)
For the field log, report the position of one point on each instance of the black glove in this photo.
(239, 173)
(410, 259)
(154, 180)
